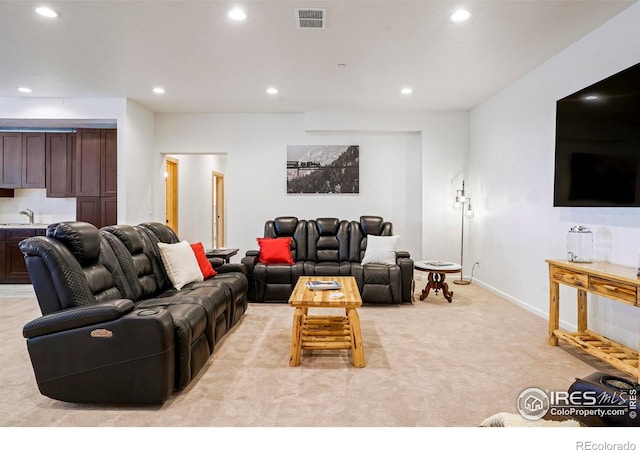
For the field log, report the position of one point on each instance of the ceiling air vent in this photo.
(310, 17)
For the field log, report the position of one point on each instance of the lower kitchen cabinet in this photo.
(13, 269)
(99, 211)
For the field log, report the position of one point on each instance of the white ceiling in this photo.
(208, 63)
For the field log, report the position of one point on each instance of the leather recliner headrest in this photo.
(327, 226)
(81, 238)
(128, 236)
(163, 233)
(285, 226)
(371, 225)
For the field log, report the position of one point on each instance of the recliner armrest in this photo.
(250, 260)
(216, 262)
(232, 267)
(77, 317)
(402, 254)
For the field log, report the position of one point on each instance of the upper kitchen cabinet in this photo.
(97, 176)
(108, 163)
(33, 160)
(60, 164)
(11, 160)
(22, 160)
(88, 162)
(96, 163)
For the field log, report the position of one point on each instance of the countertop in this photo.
(23, 225)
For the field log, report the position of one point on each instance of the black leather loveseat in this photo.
(330, 247)
(114, 329)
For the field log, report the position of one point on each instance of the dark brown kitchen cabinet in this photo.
(108, 211)
(2, 254)
(108, 163)
(88, 162)
(88, 210)
(10, 160)
(60, 164)
(33, 160)
(22, 160)
(99, 211)
(96, 153)
(13, 268)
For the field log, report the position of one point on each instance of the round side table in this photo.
(437, 272)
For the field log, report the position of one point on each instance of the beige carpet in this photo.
(431, 364)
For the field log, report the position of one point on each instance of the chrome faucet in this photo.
(29, 214)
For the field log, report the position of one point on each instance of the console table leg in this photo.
(582, 310)
(554, 310)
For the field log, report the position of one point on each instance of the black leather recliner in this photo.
(330, 247)
(273, 282)
(113, 328)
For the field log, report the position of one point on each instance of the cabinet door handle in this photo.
(609, 287)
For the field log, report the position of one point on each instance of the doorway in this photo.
(217, 195)
(171, 193)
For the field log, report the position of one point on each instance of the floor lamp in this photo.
(463, 203)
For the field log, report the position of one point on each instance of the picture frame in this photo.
(323, 169)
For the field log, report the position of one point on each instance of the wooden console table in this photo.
(619, 283)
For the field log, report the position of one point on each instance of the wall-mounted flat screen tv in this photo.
(597, 154)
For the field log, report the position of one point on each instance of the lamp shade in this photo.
(469, 211)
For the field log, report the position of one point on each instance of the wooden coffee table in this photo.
(326, 332)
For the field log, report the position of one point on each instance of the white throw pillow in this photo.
(180, 263)
(380, 250)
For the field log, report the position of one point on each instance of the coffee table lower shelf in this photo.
(326, 332)
(619, 356)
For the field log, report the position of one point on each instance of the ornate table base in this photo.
(436, 282)
(437, 273)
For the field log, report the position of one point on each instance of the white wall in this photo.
(137, 159)
(391, 166)
(511, 166)
(195, 200)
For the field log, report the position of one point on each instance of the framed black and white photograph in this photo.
(323, 169)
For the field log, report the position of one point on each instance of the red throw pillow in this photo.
(275, 250)
(205, 266)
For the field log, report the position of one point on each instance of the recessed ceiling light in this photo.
(25, 90)
(45, 11)
(272, 91)
(406, 91)
(591, 97)
(237, 14)
(460, 15)
(158, 90)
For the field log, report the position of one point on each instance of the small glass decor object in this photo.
(580, 245)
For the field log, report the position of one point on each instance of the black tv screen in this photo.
(597, 155)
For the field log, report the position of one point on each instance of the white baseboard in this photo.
(538, 312)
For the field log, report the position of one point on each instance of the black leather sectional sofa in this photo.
(113, 329)
(330, 247)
